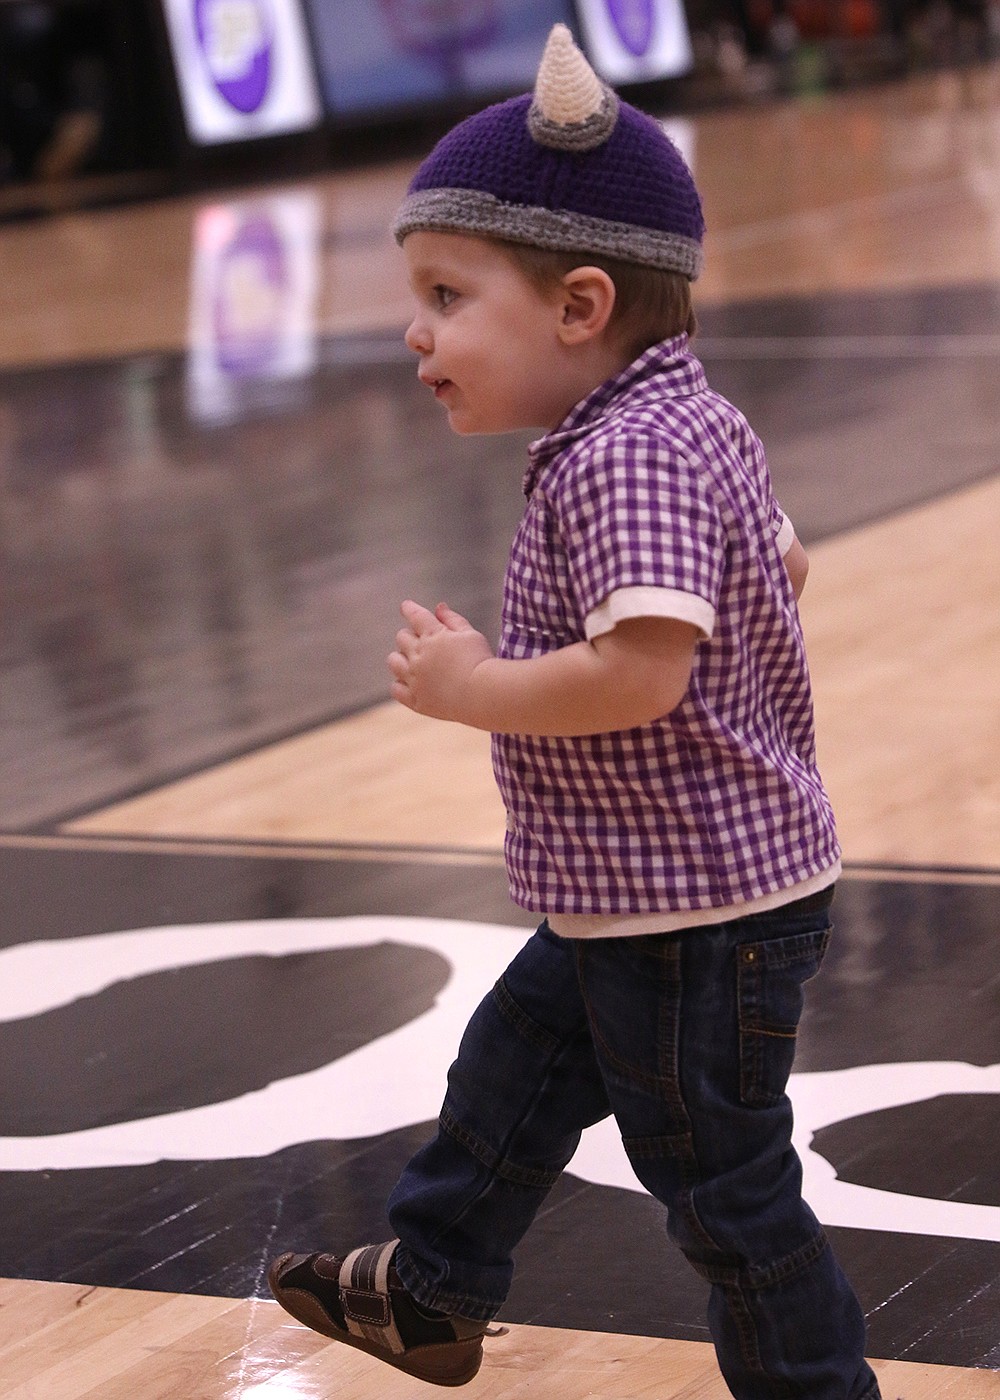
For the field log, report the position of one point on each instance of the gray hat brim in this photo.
(476, 212)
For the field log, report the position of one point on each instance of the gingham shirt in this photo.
(653, 498)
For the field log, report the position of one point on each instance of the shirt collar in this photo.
(665, 370)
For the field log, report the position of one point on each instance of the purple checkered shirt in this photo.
(653, 497)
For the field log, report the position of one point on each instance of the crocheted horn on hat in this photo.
(569, 167)
(572, 109)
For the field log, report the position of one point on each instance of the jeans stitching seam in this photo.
(494, 1161)
(521, 1021)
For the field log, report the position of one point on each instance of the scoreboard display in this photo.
(389, 57)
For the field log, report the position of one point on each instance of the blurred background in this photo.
(100, 98)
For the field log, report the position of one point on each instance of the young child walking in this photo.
(652, 738)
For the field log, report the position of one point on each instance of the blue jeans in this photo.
(688, 1039)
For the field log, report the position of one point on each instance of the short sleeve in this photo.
(639, 522)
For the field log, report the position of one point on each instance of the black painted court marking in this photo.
(191, 1223)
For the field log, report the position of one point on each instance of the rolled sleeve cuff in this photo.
(785, 536)
(649, 602)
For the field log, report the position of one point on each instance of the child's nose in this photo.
(417, 337)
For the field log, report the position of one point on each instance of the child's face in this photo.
(488, 340)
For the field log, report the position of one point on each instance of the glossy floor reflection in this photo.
(185, 587)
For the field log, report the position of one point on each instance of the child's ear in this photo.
(587, 299)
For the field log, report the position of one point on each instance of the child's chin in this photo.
(467, 425)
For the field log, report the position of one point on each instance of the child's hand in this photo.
(433, 663)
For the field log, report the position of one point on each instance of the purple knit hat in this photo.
(570, 168)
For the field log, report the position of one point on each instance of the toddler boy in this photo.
(652, 736)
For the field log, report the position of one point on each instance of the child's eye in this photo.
(444, 296)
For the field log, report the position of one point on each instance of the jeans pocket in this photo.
(771, 976)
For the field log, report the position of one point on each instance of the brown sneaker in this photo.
(360, 1300)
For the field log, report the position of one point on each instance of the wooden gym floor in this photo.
(240, 890)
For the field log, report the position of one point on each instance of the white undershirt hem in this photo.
(626, 925)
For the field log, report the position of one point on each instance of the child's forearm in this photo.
(627, 677)
(576, 690)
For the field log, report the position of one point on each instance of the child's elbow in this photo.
(797, 567)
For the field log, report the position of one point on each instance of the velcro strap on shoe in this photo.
(364, 1295)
